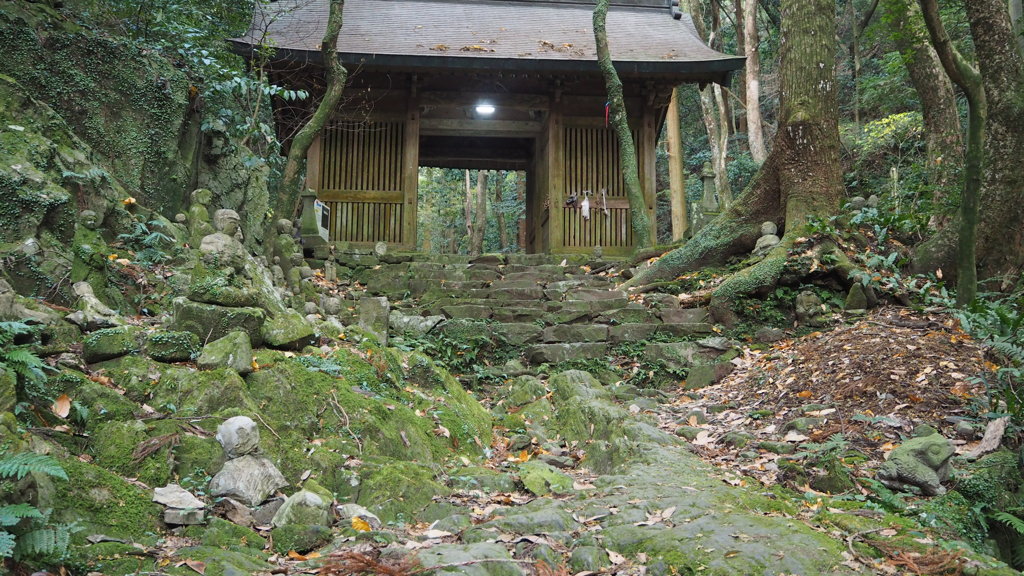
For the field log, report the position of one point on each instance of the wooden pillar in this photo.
(411, 169)
(648, 169)
(556, 174)
(314, 159)
(676, 170)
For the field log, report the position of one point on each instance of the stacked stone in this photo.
(247, 476)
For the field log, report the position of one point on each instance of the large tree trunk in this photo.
(287, 204)
(480, 221)
(800, 179)
(944, 146)
(752, 76)
(640, 223)
(521, 196)
(1000, 237)
(740, 120)
(468, 210)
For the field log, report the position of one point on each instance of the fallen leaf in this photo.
(61, 406)
(804, 394)
(360, 524)
(196, 565)
(296, 556)
(615, 557)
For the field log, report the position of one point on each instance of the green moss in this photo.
(111, 343)
(219, 533)
(114, 444)
(219, 562)
(102, 502)
(170, 346)
(109, 558)
(397, 491)
(299, 537)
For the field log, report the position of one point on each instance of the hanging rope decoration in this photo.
(585, 205)
(607, 111)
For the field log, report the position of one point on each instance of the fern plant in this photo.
(148, 243)
(25, 531)
(19, 357)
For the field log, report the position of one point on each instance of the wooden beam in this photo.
(451, 127)
(314, 158)
(359, 196)
(514, 101)
(555, 186)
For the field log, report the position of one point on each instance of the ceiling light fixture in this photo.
(485, 109)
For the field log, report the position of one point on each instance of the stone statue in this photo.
(768, 239)
(92, 314)
(330, 266)
(220, 277)
(198, 217)
(277, 273)
(285, 245)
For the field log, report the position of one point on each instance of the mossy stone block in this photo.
(111, 343)
(219, 533)
(212, 322)
(542, 479)
(172, 346)
(232, 351)
(299, 537)
(288, 332)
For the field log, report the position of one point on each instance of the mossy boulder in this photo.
(111, 343)
(397, 491)
(103, 503)
(212, 322)
(542, 479)
(217, 562)
(8, 389)
(232, 351)
(114, 447)
(288, 332)
(304, 507)
(172, 346)
(299, 537)
(219, 533)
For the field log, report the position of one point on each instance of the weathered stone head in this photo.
(89, 219)
(226, 221)
(202, 196)
(284, 226)
(919, 464)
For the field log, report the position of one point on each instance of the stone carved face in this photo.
(284, 226)
(89, 219)
(202, 196)
(226, 221)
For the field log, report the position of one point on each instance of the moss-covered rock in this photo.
(397, 491)
(288, 332)
(103, 503)
(8, 389)
(211, 322)
(299, 537)
(232, 351)
(543, 479)
(115, 445)
(111, 343)
(171, 346)
(219, 533)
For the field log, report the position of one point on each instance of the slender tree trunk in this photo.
(499, 211)
(851, 12)
(641, 224)
(521, 196)
(799, 180)
(287, 204)
(943, 138)
(480, 223)
(752, 75)
(1000, 237)
(469, 211)
(969, 80)
(676, 170)
(712, 112)
(740, 122)
(1017, 21)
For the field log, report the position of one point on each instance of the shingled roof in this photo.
(535, 35)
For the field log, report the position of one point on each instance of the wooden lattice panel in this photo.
(592, 164)
(361, 181)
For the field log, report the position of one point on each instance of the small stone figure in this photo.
(919, 464)
(277, 273)
(221, 277)
(198, 217)
(809, 309)
(92, 314)
(330, 267)
(294, 272)
(768, 239)
(285, 245)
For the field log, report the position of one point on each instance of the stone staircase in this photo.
(553, 307)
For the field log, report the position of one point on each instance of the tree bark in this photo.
(943, 139)
(521, 196)
(287, 204)
(740, 121)
(499, 212)
(752, 76)
(1000, 237)
(801, 177)
(676, 170)
(480, 221)
(469, 212)
(640, 223)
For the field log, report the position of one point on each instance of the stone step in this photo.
(575, 333)
(551, 353)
